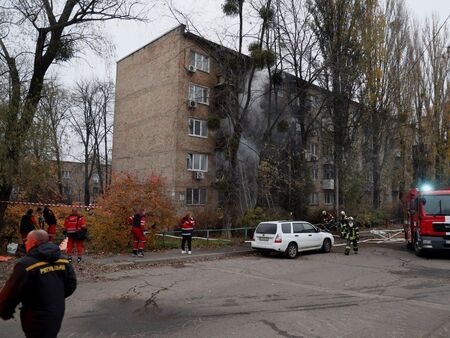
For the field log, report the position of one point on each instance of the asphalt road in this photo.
(382, 292)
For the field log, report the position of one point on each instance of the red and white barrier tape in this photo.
(92, 206)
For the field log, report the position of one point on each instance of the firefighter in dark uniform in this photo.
(343, 224)
(41, 281)
(352, 236)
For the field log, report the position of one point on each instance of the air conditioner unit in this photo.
(310, 157)
(199, 175)
(191, 69)
(192, 104)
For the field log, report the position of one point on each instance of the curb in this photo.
(178, 260)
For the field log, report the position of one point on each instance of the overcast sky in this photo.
(208, 18)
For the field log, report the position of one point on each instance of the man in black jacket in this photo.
(40, 281)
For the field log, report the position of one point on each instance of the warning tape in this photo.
(91, 206)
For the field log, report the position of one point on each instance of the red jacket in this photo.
(137, 221)
(74, 223)
(187, 226)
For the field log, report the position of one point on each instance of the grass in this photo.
(175, 243)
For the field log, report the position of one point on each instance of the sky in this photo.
(206, 16)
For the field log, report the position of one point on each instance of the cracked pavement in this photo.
(383, 291)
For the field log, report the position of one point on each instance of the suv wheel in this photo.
(292, 250)
(326, 246)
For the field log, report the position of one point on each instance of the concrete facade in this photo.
(151, 126)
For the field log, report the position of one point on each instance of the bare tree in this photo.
(54, 32)
(90, 109)
(436, 42)
(337, 25)
(54, 107)
(384, 42)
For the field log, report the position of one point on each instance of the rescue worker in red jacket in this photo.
(187, 229)
(50, 219)
(75, 229)
(137, 222)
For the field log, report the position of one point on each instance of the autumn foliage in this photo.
(110, 232)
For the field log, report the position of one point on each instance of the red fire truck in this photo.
(428, 220)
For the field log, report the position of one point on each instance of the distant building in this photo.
(73, 183)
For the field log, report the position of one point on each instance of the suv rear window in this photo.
(286, 228)
(267, 228)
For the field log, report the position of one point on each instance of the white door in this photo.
(314, 237)
(286, 229)
(302, 239)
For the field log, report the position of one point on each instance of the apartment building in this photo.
(161, 117)
(164, 94)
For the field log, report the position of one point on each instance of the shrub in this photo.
(111, 232)
(10, 233)
(208, 219)
(253, 217)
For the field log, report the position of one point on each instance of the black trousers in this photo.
(187, 239)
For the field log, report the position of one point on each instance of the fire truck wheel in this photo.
(417, 250)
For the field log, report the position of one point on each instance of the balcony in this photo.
(328, 184)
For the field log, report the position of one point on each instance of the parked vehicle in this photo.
(428, 220)
(290, 237)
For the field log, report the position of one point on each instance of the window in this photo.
(197, 162)
(66, 190)
(327, 150)
(198, 128)
(312, 148)
(298, 228)
(66, 174)
(279, 89)
(315, 101)
(198, 93)
(266, 228)
(436, 204)
(314, 198)
(196, 196)
(95, 178)
(308, 228)
(199, 61)
(315, 173)
(328, 171)
(329, 197)
(286, 228)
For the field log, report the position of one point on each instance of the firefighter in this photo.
(327, 217)
(27, 224)
(187, 228)
(344, 224)
(50, 219)
(137, 222)
(40, 281)
(75, 229)
(352, 236)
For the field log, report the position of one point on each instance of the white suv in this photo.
(290, 237)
